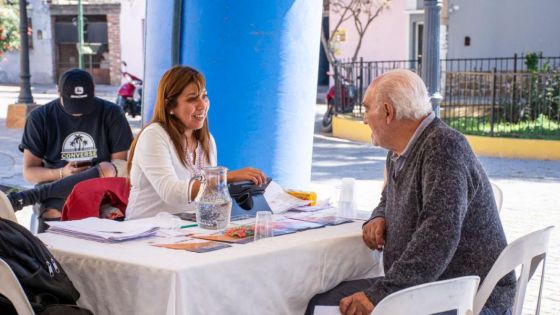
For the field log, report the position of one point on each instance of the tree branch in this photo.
(342, 19)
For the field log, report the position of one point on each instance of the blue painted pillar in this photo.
(159, 46)
(260, 59)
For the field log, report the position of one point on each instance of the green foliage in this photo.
(544, 90)
(540, 128)
(9, 32)
(532, 61)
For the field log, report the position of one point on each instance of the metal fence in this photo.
(515, 96)
(524, 105)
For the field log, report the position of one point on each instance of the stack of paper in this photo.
(104, 230)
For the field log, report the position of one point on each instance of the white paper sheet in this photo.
(326, 310)
(321, 205)
(279, 200)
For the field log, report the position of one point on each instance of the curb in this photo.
(534, 149)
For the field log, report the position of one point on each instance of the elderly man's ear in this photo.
(389, 111)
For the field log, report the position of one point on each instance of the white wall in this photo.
(385, 39)
(40, 56)
(500, 28)
(133, 13)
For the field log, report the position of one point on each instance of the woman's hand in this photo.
(248, 173)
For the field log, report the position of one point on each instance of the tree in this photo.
(9, 28)
(361, 12)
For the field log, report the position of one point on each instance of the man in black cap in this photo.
(73, 138)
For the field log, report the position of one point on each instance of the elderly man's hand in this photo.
(373, 233)
(356, 304)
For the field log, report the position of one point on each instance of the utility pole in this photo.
(430, 58)
(80, 35)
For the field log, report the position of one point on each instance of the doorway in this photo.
(96, 48)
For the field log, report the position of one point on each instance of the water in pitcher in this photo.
(213, 215)
(213, 202)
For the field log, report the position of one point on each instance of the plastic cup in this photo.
(347, 198)
(263, 225)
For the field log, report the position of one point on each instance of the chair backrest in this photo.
(12, 290)
(527, 251)
(434, 297)
(498, 196)
(6, 210)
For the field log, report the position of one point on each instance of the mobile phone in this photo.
(82, 163)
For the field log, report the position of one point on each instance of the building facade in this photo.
(54, 39)
(500, 28)
(469, 29)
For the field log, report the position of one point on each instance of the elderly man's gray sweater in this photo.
(441, 218)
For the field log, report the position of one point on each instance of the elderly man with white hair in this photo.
(437, 218)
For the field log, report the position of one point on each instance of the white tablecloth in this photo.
(272, 276)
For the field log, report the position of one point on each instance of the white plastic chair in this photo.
(9, 283)
(527, 251)
(6, 210)
(498, 196)
(434, 297)
(12, 290)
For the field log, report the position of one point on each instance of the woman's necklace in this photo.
(196, 167)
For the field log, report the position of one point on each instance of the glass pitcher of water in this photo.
(213, 202)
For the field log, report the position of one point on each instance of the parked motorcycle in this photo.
(130, 93)
(347, 101)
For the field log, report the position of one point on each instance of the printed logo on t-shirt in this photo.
(78, 146)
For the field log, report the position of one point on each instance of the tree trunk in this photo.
(328, 52)
(358, 46)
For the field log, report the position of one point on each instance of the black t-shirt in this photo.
(58, 137)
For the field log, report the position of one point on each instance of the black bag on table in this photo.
(46, 285)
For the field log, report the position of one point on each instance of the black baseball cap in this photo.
(76, 90)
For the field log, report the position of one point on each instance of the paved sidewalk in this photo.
(531, 188)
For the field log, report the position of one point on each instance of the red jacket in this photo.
(87, 197)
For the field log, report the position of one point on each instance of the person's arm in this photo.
(118, 160)
(117, 166)
(122, 155)
(373, 230)
(379, 211)
(34, 172)
(119, 139)
(153, 156)
(432, 246)
(248, 173)
(34, 144)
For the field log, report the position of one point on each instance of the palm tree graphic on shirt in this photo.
(78, 145)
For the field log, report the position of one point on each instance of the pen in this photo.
(188, 226)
